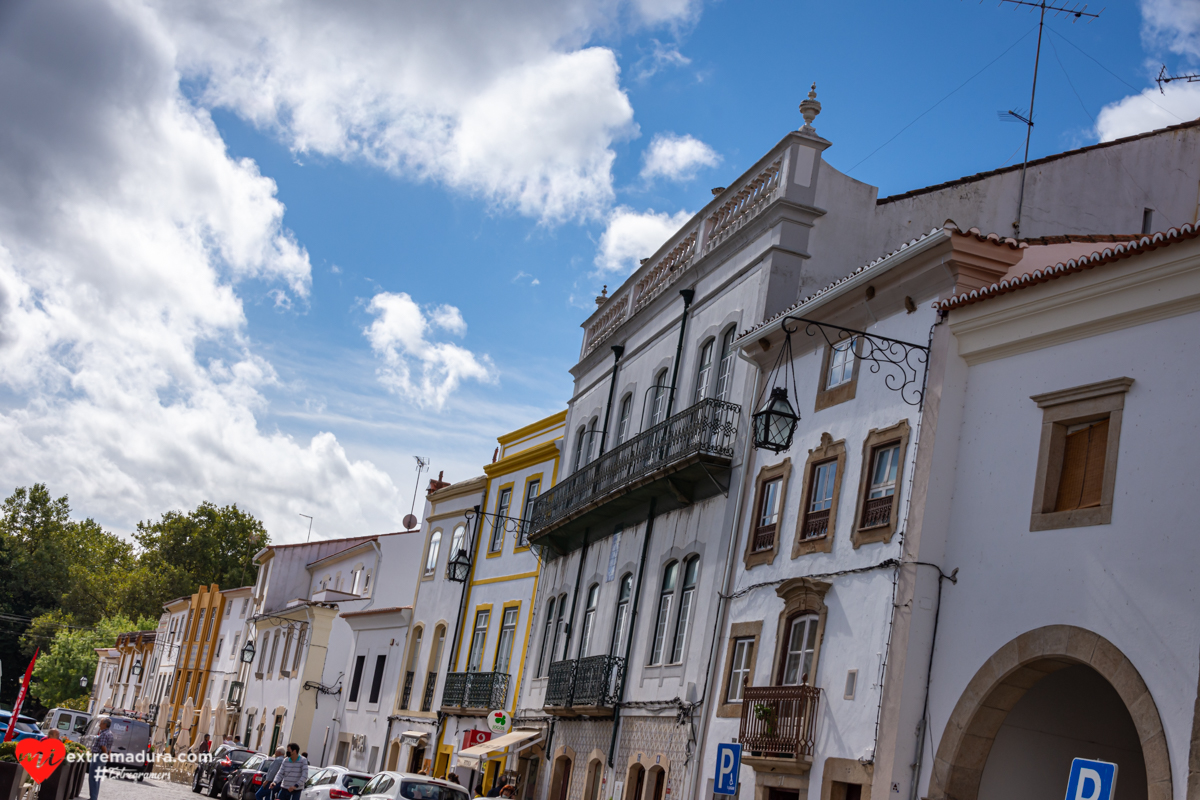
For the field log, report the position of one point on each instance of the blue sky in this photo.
(391, 219)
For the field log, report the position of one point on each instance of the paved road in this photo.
(149, 789)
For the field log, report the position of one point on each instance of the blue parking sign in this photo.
(729, 764)
(1092, 780)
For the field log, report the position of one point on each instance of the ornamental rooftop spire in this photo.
(809, 109)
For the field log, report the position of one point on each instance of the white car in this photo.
(334, 783)
(406, 786)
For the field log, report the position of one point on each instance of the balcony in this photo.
(679, 461)
(474, 693)
(779, 726)
(586, 687)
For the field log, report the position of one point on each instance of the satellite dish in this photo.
(410, 521)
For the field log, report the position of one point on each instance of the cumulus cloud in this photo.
(633, 235)
(677, 158)
(415, 368)
(502, 100)
(127, 238)
(1173, 24)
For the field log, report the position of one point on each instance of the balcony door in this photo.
(799, 647)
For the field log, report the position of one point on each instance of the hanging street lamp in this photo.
(775, 422)
(136, 669)
(248, 652)
(459, 567)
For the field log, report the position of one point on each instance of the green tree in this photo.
(180, 552)
(71, 655)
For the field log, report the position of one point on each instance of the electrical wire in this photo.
(1115, 75)
(1063, 67)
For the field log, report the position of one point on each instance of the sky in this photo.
(266, 253)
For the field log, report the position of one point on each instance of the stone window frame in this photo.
(829, 450)
(876, 438)
(738, 630)
(783, 471)
(846, 391)
(800, 596)
(1088, 403)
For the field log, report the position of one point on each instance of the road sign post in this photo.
(729, 764)
(1092, 780)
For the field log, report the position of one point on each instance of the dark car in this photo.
(242, 784)
(214, 771)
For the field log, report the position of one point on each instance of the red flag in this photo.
(16, 712)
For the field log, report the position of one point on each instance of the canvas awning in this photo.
(518, 740)
(415, 738)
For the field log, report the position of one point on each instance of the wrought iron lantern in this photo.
(775, 422)
(459, 567)
(83, 682)
(136, 669)
(248, 652)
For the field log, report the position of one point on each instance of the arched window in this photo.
(410, 669)
(435, 544)
(725, 369)
(664, 612)
(589, 621)
(560, 629)
(580, 438)
(703, 371)
(593, 439)
(458, 540)
(687, 597)
(796, 657)
(433, 667)
(546, 654)
(658, 409)
(623, 419)
(621, 620)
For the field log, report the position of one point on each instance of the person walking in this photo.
(269, 787)
(206, 745)
(101, 748)
(292, 774)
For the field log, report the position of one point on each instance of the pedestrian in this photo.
(54, 734)
(292, 774)
(508, 791)
(497, 787)
(101, 747)
(206, 744)
(453, 778)
(269, 788)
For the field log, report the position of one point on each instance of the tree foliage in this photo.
(71, 655)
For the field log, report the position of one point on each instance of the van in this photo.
(131, 753)
(69, 723)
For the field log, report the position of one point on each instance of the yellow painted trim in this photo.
(503, 578)
(492, 525)
(528, 633)
(540, 478)
(551, 421)
(496, 656)
(525, 458)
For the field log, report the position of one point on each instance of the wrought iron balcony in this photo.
(779, 722)
(682, 459)
(430, 684)
(408, 685)
(480, 691)
(584, 687)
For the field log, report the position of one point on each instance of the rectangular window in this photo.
(739, 669)
(497, 542)
(508, 632)
(299, 646)
(725, 370)
(660, 398)
(274, 652)
(841, 364)
(1083, 466)
(377, 679)
(546, 654)
(800, 648)
(220, 642)
(766, 516)
(820, 500)
(228, 608)
(664, 612)
(245, 603)
(283, 659)
(356, 679)
(559, 629)
(532, 490)
(233, 651)
(691, 569)
(623, 418)
(478, 640)
(704, 371)
(885, 466)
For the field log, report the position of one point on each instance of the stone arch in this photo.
(1005, 678)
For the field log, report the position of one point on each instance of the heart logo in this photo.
(40, 759)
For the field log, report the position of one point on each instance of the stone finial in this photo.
(809, 109)
(603, 298)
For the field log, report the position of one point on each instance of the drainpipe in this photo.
(637, 596)
(618, 351)
(688, 295)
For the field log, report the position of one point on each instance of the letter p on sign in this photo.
(1091, 780)
(729, 764)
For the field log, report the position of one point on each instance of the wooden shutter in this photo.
(1083, 468)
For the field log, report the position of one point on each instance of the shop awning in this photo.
(415, 738)
(518, 740)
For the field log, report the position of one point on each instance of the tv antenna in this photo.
(1076, 12)
(1163, 77)
(410, 519)
(309, 537)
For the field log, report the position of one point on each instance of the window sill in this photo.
(873, 535)
(1075, 518)
(730, 709)
(836, 395)
(817, 544)
(758, 557)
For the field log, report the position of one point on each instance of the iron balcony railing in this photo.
(483, 690)
(779, 721)
(707, 428)
(591, 682)
(430, 684)
(408, 684)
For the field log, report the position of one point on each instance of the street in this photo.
(129, 789)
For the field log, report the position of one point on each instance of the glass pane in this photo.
(690, 568)
(769, 514)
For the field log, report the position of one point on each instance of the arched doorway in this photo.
(393, 755)
(1047, 696)
(591, 783)
(635, 781)
(656, 782)
(560, 778)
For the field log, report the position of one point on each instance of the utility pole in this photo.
(1042, 7)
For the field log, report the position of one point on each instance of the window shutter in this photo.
(1083, 468)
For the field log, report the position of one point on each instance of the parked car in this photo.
(69, 723)
(242, 784)
(131, 752)
(26, 727)
(334, 783)
(213, 772)
(406, 786)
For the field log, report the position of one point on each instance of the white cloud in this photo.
(663, 56)
(127, 235)
(1174, 24)
(632, 235)
(415, 368)
(502, 100)
(523, 275)
(677, 158)
(1148, 111)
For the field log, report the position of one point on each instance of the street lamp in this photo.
(83, 683)
(775, 422)
(458, 567)
(136, 669)
(248, 652)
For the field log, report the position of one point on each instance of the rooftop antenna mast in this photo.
(1163, 77)
(410, 519)
(1077, 12)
